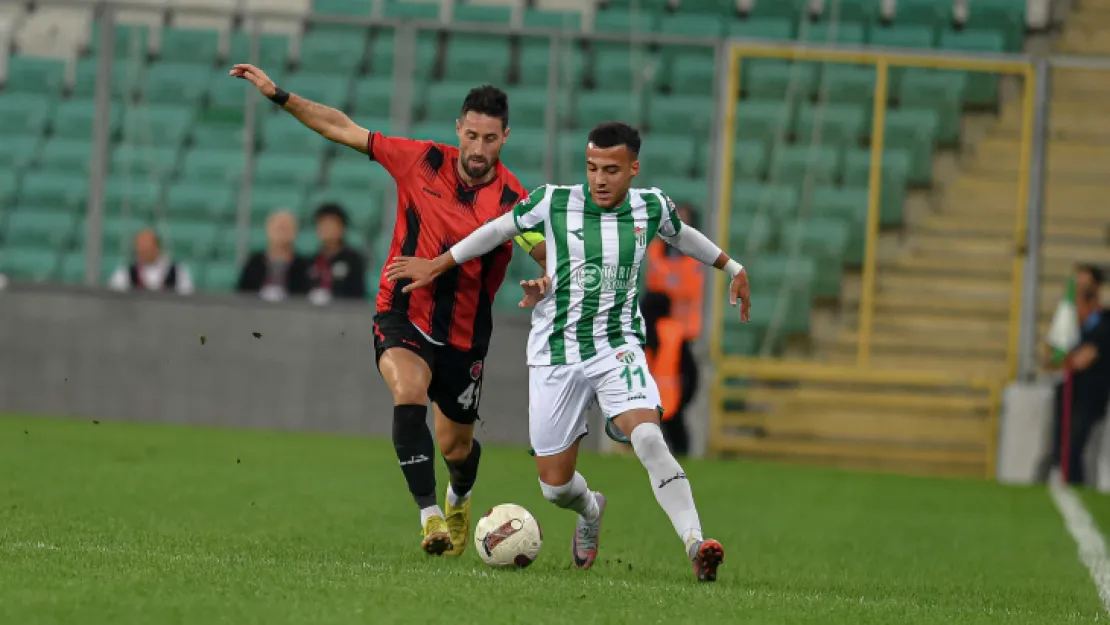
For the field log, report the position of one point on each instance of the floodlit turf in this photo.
(121, 524)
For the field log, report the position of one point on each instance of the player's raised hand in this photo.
(420, 270)
(740, 290)
(257, 77)
(534, 291)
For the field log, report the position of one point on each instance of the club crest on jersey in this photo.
(626, 356)
(641, 236)
(476, 370)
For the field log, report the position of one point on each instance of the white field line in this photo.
(1092, 545)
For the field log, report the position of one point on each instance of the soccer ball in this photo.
(508, 535)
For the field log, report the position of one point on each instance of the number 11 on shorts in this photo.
(630, 371)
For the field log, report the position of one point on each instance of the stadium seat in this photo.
(443, 101)
(28, 74)
(1003, 15)
(118, 232)
(160, 124)
(749, 234)
(176, 83)
(330, 89)
(358, 8)
(129, 41)
(795, 164)
(273, 50)
(189, 45)
(435, 130)
(681, 189)
(685, 114)
(690, 74)
(616, 20)
(412, 10)
(849, 206)
(594, 107)
(73, 119)
(272, 197)
(535, 62)
(477, 59)
(942, 92)
(40, 226)
(220, 136)
(333, 51)
(895, 172)
(289, 169)
(285, 134)
(374, 97)
(749, 159)
(782, 312)
(915, 37)
(624, 69)
(773, 272)
(528, 107)
(667, 154)
(126, 77)
(982, 87)
(189, 240)
(28, 264)
(859, 11)
(66, 155)
(765, 28)
(9, 189)
(227, 242)
(827, 33)
(914, 130)
(772, 79)
(17, 152)
(848, 83)
(130, 193)
(365, 210)
(691, 25)
(228, 95)
(791, 9)
(215, 167)
(466, 12)
(61, 189)
(927, 13)
(779, 202)
(152, 162)
(24, 114)
(219, 277)
(525, 148)
(563, 20)
(383, 49)
(200, 200)
(825, 241)
(839, 124)
(356, 174)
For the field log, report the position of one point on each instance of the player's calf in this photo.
(576, 495)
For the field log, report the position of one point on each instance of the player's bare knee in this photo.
(455, 449)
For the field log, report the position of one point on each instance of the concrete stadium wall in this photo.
(139, 357)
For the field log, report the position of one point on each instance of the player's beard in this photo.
(475, 171)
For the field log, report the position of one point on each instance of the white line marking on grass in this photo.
(1092, 545)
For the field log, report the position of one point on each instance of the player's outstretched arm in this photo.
(696, 245)
(330, 123)
(423, 271)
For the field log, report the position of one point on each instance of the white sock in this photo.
(668, 481)
(430, 511)
(574, 495)
(454, 498)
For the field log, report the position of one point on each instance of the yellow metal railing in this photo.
(862, 371)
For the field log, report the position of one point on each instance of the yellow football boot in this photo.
(458, 523)
(437, 538)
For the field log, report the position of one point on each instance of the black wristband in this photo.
(280, 97)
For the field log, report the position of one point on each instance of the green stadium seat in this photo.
(216, 167)
(161, 124)
(738, 339)
(364, 210)
(227, 96)
(914, 130)
(152, 162)
(228, 241)
(189, 45)
(895, 172)
(374, 96)
(749, 160)
(73, 119)
(683, 190)
(594, 107)
(563, 20)
(118, 232)
(273, 50)
(1006, 16)
(128, 193)
(327, 89)
(307, 243)
(200, 200)
(61, 189)
(825, 241)
(189, 240)
(9, 189)
(72, 268)
(482, 13)
(359, 8)
(285, 133)
(24, 114)
(356, 174)
(176, 83)
(443, 101)
(436, 131)
(477, 59)
(266, 200)
(691, 74)
(777, 8)
(127, 75)
(383, 48)
(776, 313)
(779, 202)
(684, 114)
(219, 277)
(749, 234)
(528, 107)
(129, 41)
(773, 272)
(982, 87)
(942, 92)
(40, 226)
(29, 74)
(225, 136)
(666, 154)
(691, 25)
(849, 206)
(28, 264)
(333, 51)
(66, 154)
(411, 10)
(535, 62)
(525, 148)
(616, 20)
(772, 79)
(839, 124)
(794, 164)
(840, 33)
(915, 37)
(761, 28)
(17, 152)
(860, 11)
(928, 13)
(624, 69)
(530, 178)
(289, 169)
(849, 83)
(709, 9)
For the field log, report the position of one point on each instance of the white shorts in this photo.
(618, 379)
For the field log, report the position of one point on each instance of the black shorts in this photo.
(456, 384)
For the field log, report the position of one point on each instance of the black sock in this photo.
(464, 474)
(415, 449)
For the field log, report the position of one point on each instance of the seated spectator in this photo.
(152, 270)
(337, 271)
(278, 271)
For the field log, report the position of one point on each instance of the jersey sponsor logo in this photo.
(591, 277)
(637, 397)
(476, 370)
(641, 236)
(626, 356)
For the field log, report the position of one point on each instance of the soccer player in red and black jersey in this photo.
(431, 343)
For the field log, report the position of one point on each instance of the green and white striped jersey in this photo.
(594, 259)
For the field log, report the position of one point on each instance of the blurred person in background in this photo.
(152, 270)
(680, 280)
(1080, 336)
(337, 271)
(278, 271)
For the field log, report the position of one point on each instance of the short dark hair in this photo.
(612, 134)
(331, 209)
(487, 100)
(1096, 273)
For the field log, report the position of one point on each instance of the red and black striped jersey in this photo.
(435, 210)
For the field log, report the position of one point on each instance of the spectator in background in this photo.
(337, 271)
(681, 280)
(278, 271)
(152, 270)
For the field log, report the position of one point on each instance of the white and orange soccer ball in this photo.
(508, 536)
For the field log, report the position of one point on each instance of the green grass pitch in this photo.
(141, 524)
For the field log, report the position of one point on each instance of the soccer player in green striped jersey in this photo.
(587, 332)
